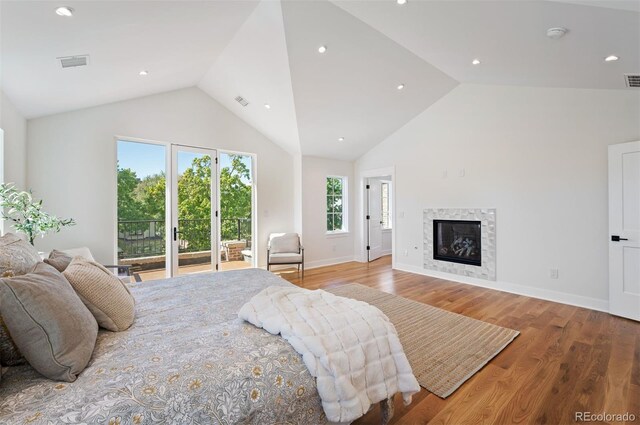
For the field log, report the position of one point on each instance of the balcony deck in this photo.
(196, 268)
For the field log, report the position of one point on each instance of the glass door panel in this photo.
(141, 209)
(236, 208)
(194, 247)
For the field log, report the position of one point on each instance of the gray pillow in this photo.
(48, 322)
(9, 353)
(17, 256)
(59, 259)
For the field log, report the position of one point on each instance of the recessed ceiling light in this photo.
(401, 2)
(267, 106)
(64, 11)
(340, 139)
(611, 58)
(322, 49)
(400, 86)
(556, 33)
(476, 62)
(143, 72)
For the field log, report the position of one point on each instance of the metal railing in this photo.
(146, 238)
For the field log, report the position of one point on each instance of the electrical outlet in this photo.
(406, 252)
(553, 273)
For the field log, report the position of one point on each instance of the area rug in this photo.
(444, 349)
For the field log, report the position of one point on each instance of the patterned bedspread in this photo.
(187, 359)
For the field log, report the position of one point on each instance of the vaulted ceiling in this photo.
(336, 104)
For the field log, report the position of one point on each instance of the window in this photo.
(385, 196)
(336, 195)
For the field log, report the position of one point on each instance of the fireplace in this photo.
(457, 241)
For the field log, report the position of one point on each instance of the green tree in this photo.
(129, 207)
(145, 200)
(235, 198)
(151, 194)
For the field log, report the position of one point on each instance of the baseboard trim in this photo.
(308, 265)
(513, 288)
(327, 262)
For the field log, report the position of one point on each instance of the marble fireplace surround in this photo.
(487, 219)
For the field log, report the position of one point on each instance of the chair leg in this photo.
(303, 270)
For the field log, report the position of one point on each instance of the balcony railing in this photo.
(146, 238)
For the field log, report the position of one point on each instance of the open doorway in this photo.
(379, 216)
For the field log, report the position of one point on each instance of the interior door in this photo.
(374, 222)
(193, 238)
(624, 230)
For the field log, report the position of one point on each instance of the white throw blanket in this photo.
(350, 346)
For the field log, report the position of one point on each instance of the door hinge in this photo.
(368, 187)
(368, 217)
(216, 213)
(216, 159)
(216, 267)
(368, 248)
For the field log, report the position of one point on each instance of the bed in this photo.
(187, 359)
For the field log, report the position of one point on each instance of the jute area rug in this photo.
(444, 349)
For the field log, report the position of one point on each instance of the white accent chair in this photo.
(285, 248)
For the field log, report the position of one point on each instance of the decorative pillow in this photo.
(106, 296)
(49, 324)
(59, 259)
(9, 353)
(83, 252)
(17, 256)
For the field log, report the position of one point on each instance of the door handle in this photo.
(616, 238)
(175, 233)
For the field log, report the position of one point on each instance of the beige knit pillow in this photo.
(106, 296)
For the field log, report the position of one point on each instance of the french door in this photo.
(624, 230)
(192, 199)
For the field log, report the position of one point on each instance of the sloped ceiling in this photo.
(255, 65)
(176, 41)
(266, 51)
(509, 38)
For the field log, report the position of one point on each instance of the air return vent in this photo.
(632, 80)
(241, 100)
(73, 61)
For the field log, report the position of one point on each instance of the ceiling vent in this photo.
(241, 100)
(73, 61)
(632, 80)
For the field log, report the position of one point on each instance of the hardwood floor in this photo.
(566, 359)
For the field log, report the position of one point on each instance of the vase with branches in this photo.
(26, 215)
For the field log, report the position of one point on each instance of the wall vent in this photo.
(632, 80)
(241, 100)
(73, 61)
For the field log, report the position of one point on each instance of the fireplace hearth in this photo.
(460, 241)
(457, 241)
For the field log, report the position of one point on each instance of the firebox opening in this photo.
(457, 241)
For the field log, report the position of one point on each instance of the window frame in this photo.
(344, 213)
(389, 224)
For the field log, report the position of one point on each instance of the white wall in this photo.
(321, 248)
(539, 156)
(72, 162)
(15, 143)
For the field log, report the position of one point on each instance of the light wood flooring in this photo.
(566, 359)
